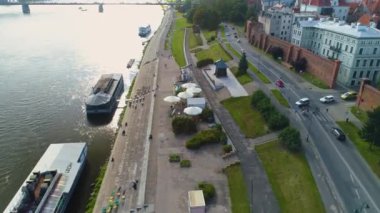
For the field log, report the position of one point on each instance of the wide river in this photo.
(49, 60)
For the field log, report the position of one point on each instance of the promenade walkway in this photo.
(129, 156)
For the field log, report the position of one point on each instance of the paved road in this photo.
(343, 177)
(260, 192)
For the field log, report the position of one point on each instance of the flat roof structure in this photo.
(196, 198)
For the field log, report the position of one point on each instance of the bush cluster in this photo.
(174, 158)
(274, 119)
(204, 62)
(276, 52)
(208, 190)
(183, 125)
(207, 115)
(185, 164)
(206, 137)
(227, 148)
(290, 138)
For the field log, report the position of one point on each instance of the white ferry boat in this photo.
(49, 186)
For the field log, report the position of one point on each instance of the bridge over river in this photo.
(26, 9)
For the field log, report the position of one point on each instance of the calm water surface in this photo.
(49, 60)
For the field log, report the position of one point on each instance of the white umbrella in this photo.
(188, 85)
(185, 95)
(172, 99)
(194, 90)
(193, 110)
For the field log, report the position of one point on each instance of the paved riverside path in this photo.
(128, 160)
(261, 196)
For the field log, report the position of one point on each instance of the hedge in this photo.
(183, 125)
(208, 190)
(204, 62)
(206, 137)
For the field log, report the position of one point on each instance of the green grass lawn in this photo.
(360, 114)
(371, 156)
(215, 52)
(291, 179)
(222, 30)
(250, 121)
(208, 34)
(194, 39)
(259, 74)
(238, 189)
(314, 80)
(177, 42)
(277, 94)
(233, 51)
(243, 79)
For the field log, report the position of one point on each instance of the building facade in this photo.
(357, 47)
(333, 8)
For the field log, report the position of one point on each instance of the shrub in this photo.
(204, 62)
(300, 64)
(290, 138)
(183, 124)
(277, 121)
(185, 164)
(206, 137)
(227, 148)
(276, 52)
(257, 97)
(207, 115)
(174, 158)
(208, 190)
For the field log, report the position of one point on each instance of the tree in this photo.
(243, 65)
(252, 12)
(276, 52)
(371, 129)
(208, 190)
(290, 138)
(300, 64)
(206, 18)
(183, 124)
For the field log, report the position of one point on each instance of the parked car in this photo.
(349, 95)
(238, 40)
(280, 83)
(339, 134)
(303, 102)
(235, 36)
(327, 99)
(227, 34)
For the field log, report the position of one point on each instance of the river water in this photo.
(49, 60)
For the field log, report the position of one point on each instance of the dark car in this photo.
(339, 134)
(280, 83)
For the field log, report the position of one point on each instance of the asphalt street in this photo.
(343, 177)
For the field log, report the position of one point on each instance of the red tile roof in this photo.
(364, 19)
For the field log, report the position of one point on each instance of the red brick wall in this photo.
(368, 98)
(324, 69)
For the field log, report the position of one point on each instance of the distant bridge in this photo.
(26, 9)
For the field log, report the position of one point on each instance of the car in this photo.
(280, 83)
(327, 99)
(303, 102)
(235, 36)
(227, 34)
(349, 95)
(238, 40)
(339, 134)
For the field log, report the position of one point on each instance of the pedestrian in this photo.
(307, 138)
(327, 109)
(126, 124)
(123, 132)
(347, 120)
(112, 159)
(134, 185)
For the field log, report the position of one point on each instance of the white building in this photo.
(334, 8)
(356, 46)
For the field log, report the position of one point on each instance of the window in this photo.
(320, 36)
(354, 75)
(361, 74)
(346, 48)
(351, 49)
(364, 63)
(323, 51)
(352, 82)
(357, 63)
(330, 42)
(328, 51)
(374, 51)
(326, 41)
(375, 75)
(360, 51)
(378, 62)
(371, 63)
(368, 73)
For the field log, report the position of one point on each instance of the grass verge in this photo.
(371, 156)
(194, 39)
(259, 74)
(291, 179)
(94, 194)
(238, 189)
(177, 42)
(250, 121)
(243, 79)
(277, 94)
(314, 80)
(360, 114)
(209, 34)
(233, 51)
(223, 31)
(215, 52)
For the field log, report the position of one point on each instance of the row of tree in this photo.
(209, 13)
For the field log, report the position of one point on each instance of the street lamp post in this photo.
(362, 208)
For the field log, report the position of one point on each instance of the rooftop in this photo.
(196, 198)
(354, 30)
